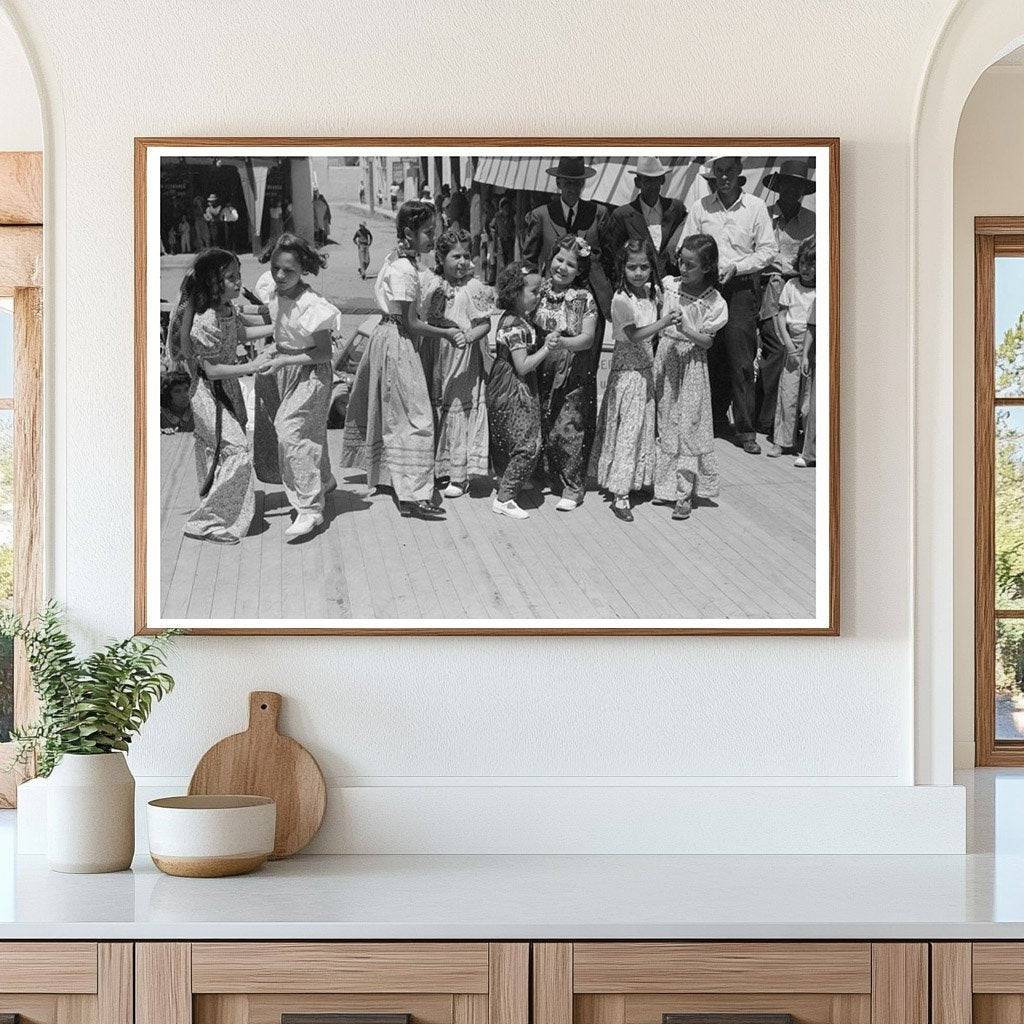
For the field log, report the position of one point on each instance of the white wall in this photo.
(537, 712)
(988, 181)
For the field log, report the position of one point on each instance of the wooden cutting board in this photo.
(262, 762)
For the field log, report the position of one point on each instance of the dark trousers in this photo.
(731, 361)
(769, 366)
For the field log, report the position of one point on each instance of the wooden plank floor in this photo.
(751, 557)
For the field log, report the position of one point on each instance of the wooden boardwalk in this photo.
(752, 556)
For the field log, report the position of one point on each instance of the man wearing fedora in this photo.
(214, 219)
(649, 216)
(792, 222)
(568, 214)
(740, 224)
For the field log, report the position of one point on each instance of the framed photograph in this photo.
(487, 386)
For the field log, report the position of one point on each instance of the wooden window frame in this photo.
(21, 278)
(993, 237)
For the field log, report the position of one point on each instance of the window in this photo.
(6, 510)
(21, 375)
(999, 491)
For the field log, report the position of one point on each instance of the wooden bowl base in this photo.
(209, 867)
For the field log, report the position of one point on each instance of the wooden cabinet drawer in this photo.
(66, 982)
(814, 982)
(48, 967)
(340, 967)
(721, 967)
(259, 982)
(981, 982)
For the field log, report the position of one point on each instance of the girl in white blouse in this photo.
(389, 422)
(686, 463)
(303, 322)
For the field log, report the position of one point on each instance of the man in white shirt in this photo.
(740, 224)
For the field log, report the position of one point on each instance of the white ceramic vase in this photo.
(90, 814)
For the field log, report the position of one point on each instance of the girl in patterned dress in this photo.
(453, 297)
(301, 362)
(215, 331)
(625, 430)
(566, 318)
(389, 423)
(685, 458)
(513, 402)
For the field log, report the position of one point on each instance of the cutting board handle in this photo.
(264, 710)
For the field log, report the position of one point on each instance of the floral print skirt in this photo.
(624, 452)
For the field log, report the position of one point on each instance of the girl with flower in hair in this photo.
(454, 298)
(566, 318)
(389, 423)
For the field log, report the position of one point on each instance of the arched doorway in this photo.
(975, 35)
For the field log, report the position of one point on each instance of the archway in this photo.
(975, 35)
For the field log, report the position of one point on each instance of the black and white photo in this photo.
(476, 388)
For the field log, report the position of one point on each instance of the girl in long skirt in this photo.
(513, 402)
(215, 330)
(301, 363)
(455, 298)
(566, 318)
(685, 457)
(625, 430)
(389, 423)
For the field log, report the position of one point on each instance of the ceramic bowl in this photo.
(211, 836)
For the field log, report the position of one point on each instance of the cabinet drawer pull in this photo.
(728, 1018)
(340, 1018)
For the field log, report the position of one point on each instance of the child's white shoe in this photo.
(454, 491)
(567, 505)
(510, 509)
(802, 463)
(304, 523)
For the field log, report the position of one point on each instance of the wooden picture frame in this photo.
(148, 613)
(993, 237)
(21, 278)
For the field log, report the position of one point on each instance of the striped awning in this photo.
(613, 183)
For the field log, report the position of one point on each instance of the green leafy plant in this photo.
(90, 705)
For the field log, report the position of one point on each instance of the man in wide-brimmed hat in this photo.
(569, 214)
(740, 224)
(214, 217)
(792, 222)
(649, 216)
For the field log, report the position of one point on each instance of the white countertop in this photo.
(978, 896)
(532, 897)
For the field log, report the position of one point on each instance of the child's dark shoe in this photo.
(622, 511)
